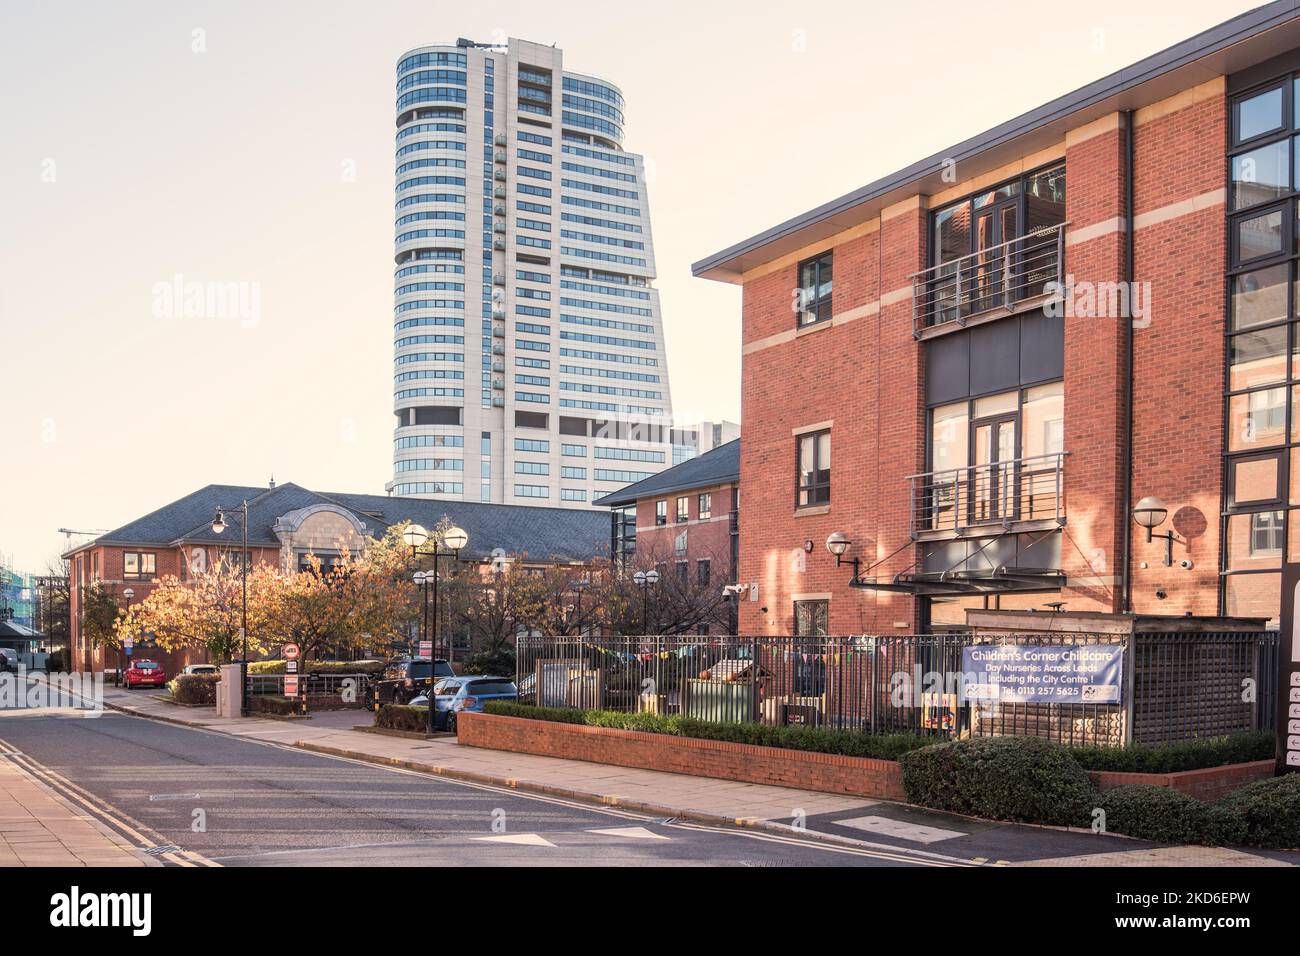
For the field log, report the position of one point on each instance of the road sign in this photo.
(426, 649)
(291, 652)
(291, 667)
(1288, 658)
(290, 685)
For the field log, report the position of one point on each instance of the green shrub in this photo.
(1174, 758)
(850, 743)
(1164, 816)
(1022, 779)
(276, 666)
(403, 717)
(1265, 813)
(272, 704)
(194, 689)
(498, 663)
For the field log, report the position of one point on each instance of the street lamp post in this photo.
(121, 654)
(453, 539)
(645, 580)
(422, 579)
(579, 586)
(414, 538)
(218, 526)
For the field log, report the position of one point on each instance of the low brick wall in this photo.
(1208, 784)
(828, 773)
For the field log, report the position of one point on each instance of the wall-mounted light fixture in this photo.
(838, 544)
(1150, 513)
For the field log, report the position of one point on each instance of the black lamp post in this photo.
(218, 526)
(446, 544)
(645, 580)
(579, 586)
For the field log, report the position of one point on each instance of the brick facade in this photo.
(862, 375)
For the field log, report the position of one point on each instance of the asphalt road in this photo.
(236, 802)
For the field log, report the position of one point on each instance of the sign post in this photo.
(1288, 677)
(292, 686)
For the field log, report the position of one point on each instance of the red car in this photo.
(144, 674)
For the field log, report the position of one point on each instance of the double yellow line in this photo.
(146, 839)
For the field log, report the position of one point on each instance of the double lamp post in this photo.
(446, 544)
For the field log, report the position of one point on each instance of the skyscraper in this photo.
(529, 364)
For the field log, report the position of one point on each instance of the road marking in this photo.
(635, 833)
(898, 854)
(155, 797)
(523, 839)
(900, 829)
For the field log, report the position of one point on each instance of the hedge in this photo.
(848, 743)
(1174, 758)
(1021, 779)
(403, 717)
(1265, 813)
(276, 666)
(272, 704)
(1165, 816)
(194, 689)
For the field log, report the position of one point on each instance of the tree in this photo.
(100, 614)
(54, 605)
(206, 611)
(678, 603)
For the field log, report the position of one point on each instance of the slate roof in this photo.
(716, 467)
(545, 534)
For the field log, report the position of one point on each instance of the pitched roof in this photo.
(715, 467)
(1224, 49)
(545, 534)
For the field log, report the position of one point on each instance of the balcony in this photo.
(1023, 494)
(996, 281)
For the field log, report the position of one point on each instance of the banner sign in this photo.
(426, 649)
(1044, 674)
(290, 685)
(1288, 683)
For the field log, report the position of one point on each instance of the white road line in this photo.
(522, 839)
(634, 833)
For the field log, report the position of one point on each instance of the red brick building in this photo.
(687, 515)
(974, 368)
(286, 523)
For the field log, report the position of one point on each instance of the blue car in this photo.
(454, 695)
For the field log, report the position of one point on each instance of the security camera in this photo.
(1186, 564)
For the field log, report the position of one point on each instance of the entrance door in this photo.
(994, 266)
(993, 479)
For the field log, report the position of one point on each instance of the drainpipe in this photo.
(1127, 484)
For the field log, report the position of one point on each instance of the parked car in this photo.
(455, 695)
(404, 678)
(201, 669)
(144, 674)
(8, 659)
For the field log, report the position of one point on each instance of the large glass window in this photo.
(814, 303)
(814, 469)
(1262, 428)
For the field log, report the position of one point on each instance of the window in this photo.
(814, 469)
(1266, 534)
(814, 295)
(683, 509)
(661, 512)
(702, 572)
(139, 564)
(705, 506)
(679, 545)
(811, 618)
(683, 571)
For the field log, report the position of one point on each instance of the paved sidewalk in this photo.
(826, 816)
(41, 828)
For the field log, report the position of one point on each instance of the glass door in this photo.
(993, 479)
(994, 225)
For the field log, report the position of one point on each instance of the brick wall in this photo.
(862, 374)
(719, 759)
(1209, 784)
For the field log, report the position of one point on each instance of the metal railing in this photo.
(1003, 492)
(994, 278)
(1176, 686)
(325, 685)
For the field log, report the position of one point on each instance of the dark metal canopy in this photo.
(992, 581)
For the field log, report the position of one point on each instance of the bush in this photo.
(1265, 813)
(194, 689)
(403, 717)
(849, 743)
(1174, 758)
(276, 666)
(499, 663)
(1163, 815)
(1021, 779)
(272, 704)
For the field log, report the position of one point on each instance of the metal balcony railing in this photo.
(994, 278)
(1001, 493)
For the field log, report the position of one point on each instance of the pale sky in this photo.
(128, 158)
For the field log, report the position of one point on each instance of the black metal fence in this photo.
(1174, 686)
(342, 686)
